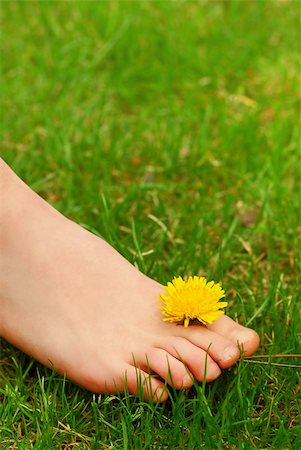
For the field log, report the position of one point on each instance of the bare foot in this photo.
(71, 301)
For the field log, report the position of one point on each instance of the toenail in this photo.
(230, 353)
(160, 395)
(212, 371)
(187, 380)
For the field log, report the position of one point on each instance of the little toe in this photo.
(167, 367)
(140, 383)
(200, 364)
(245, 338)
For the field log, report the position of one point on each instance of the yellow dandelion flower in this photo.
(193, 299)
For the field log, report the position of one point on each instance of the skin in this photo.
(72, 302)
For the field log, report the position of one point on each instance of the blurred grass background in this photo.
(172, 130)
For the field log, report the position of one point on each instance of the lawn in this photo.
(171, 129)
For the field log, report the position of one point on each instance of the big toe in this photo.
(246, 338)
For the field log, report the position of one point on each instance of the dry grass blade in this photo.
(273, 364)
(278, 355)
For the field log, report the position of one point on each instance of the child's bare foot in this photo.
(70, 300)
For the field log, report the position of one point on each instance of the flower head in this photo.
(195, 298)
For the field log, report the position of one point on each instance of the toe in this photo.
(167, 367)
(200, 364)
(144, 385)
(123, 378)
(221, 349)
(246, 338)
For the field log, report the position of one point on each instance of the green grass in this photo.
(171, 129)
